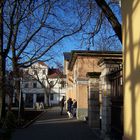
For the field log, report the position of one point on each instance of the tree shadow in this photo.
(131, 71)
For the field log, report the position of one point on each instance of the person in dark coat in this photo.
(74, 107)
(69, 105)
(62, 105)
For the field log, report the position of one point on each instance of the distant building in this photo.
(31, 88)
(42, 84)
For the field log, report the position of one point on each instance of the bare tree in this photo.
(2, 64)
(35, 32)
(111, 17)
(98, 28)
(29, 29)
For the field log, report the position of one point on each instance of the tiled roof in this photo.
(53, 70)
(54, 73)
(42, 63)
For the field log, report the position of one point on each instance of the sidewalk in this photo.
(53, 126)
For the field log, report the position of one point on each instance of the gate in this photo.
(115, 78)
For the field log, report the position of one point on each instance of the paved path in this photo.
(52, 126)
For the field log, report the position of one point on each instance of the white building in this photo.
(36, 83)
(32, 90)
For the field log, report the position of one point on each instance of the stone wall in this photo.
(107, 66)
(93, 103)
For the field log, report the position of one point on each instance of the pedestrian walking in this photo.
(69, 109)
(74, 106)
(62, 105)
(41, 105)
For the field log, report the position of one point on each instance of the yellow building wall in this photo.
(82, 96)
(82, 101)
(65, 67)
(83, 65)
(71, 93)
(87, 64)
(131, 43)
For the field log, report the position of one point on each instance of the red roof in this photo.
(55, 73)
(54, 70)
(42, 63)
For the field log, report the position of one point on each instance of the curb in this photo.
(29, 123)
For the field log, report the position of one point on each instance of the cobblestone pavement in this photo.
(53, 126)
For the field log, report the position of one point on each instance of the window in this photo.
(34, 85)
(27, 72)
(63, 84)
(51, 83)
(26, 85)
(43, 83)
(40, 97)
(29, 100)
(43, 72)
(35, 71)
(51, 97)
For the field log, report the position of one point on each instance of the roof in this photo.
(67, 56)
(55, 73)
(86, 53)
(53, 70)
(42, 63)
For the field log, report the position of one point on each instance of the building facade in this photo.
(78, 65)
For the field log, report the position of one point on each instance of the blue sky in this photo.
(76, 42)
(100, 40)
(73, 43)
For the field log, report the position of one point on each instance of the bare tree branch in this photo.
(111, 17)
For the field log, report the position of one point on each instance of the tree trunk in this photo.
(17, 90)
(3, 112)
(17, 84)
(46, 95)
(48, 101)
(2, 66)
(2, 87)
